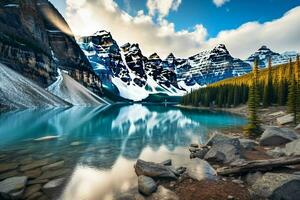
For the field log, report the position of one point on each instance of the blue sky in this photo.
(230, 15)
(199, 24)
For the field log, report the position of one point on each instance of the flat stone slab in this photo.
(4, 167)
(53, 166)
(13, 187)
(35, 164)
(53, 174)
(293, 148)
(287, 119)
(31, 190)
(53, 187)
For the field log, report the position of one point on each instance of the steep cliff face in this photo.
(35, 40)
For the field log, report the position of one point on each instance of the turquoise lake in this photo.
(100, 146)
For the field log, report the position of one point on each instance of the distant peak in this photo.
(221, 48)
(154, 56)
(171, 56)
(102, 32)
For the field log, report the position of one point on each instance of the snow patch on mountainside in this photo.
(73, 92)
(17, 91)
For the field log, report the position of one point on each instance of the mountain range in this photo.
(39, 46)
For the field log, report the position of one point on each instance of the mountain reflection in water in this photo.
(108, 143)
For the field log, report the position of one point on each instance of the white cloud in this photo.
(280, 35)
(220, 3)
(88, 16)
(162, 8)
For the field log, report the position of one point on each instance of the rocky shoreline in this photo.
(279, 143)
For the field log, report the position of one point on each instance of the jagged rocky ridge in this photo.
(35, 41)
(126, 71)
(263, 54)
(127, 67)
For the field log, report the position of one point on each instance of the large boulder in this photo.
(274, 136)
(287, 119)
(218, 138)
(153, 170)
(277, 187)
(146, 185)
(195, 170)
(222, 153)
(13, 188)
(293, 148)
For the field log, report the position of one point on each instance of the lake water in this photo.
(99, 146)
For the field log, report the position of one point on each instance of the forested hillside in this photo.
(273, 88)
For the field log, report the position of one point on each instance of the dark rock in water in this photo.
(274, 136)
(54, 174)
(167, 162)
(13, 188)
(277, 187)
(219, 138)
(146, 185)
(53, 188)
(153, 170)
(222, 153)
(9, 174)
(293, 148)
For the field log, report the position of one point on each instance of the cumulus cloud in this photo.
(280, 35)
(88, 16)
(162, 8)
(220, 3)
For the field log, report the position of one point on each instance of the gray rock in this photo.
(277, 152)
(251, 178)
(13, 188)
(277, 187)
(274, 136)
(287, 119)
(219, 138)
(167, 162)
(293, 148)
(222, 153)
(153, 170)
(194, 145)
(297, 127)
(200, 153)
(195, 170)
(52, 189)
(146, 185)
(248, 144)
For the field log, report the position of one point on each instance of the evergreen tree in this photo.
(268, 89)
(292, 93)
(253, 128)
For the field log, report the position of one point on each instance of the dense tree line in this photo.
(278, 85)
